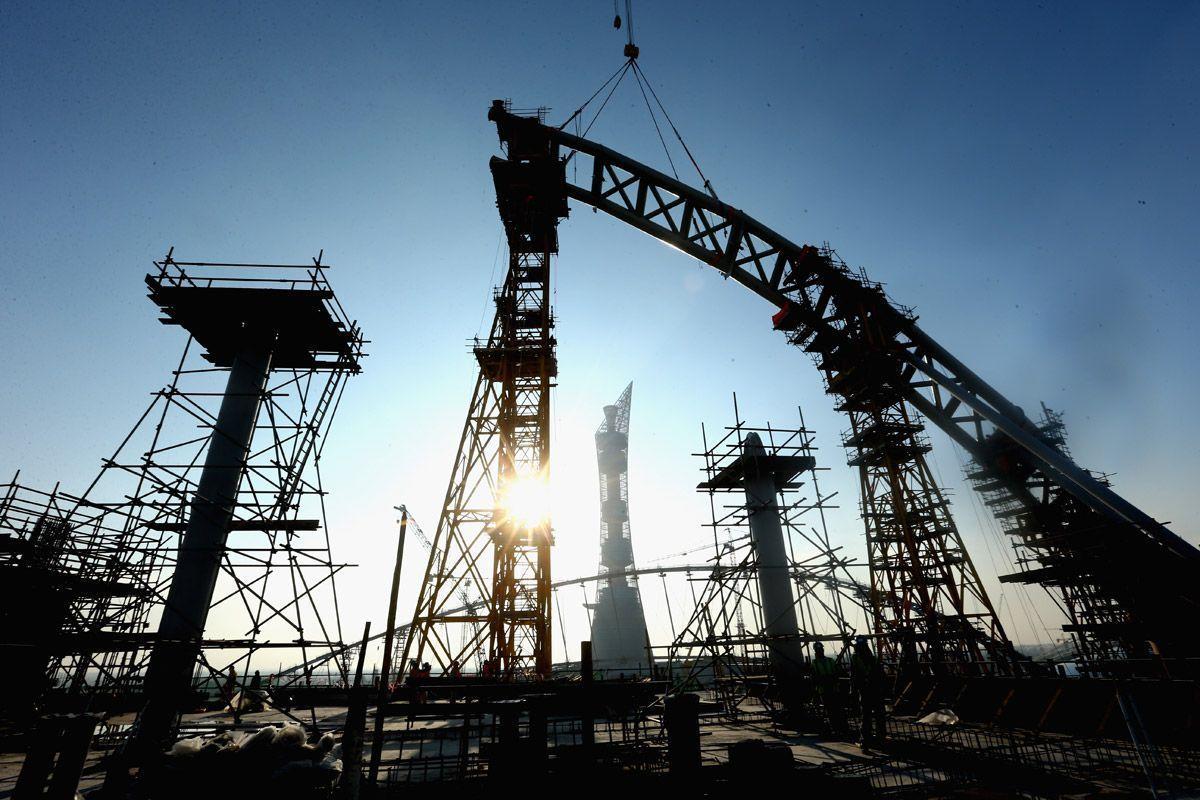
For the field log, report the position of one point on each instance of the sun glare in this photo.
(525, 501)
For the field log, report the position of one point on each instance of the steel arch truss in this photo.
(1084, 541)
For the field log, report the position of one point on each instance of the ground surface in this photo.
(423, 739)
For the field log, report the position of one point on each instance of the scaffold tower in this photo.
(928, 601)
(211, 509)
(494, 532)
(777, 585)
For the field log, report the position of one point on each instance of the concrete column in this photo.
(774, 580)
(181, 628)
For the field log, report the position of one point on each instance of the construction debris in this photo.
(271, 762)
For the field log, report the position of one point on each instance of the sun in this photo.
(525, 502)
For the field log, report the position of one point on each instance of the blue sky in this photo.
(1024, 175)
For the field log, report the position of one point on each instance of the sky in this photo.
(1024, 175)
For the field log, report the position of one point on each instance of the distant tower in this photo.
(618, 623)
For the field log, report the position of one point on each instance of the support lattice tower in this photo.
(928, 601)
(505, 446)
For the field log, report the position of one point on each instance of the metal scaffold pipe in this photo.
(386, 668)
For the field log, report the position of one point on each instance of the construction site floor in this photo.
(716, 737)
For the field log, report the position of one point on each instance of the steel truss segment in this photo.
(772, 258)
(826, 306)
(955, 390)
(505, 440)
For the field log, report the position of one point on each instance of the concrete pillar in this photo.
(40, 751)
(774, 580)
(169, 675)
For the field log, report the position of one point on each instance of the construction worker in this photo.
(825, 676)
(933, 648)
(229, 688)
(908, 668)
(420, 683)
(254, 703)
(867, 676)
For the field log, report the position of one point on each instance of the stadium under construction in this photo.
(791, 661)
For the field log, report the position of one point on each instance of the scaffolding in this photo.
(930, 609)
(494, 532)
(724, 646)
(276, 590)
(59, 567)
(1059, 545)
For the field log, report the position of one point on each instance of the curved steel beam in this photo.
(786, 275)
(857, 589)
(326, 657)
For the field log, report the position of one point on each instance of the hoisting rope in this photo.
(620, 73)
(638, 71)
(654, 119)
(643, 81)
(629, 24)
(607, 97)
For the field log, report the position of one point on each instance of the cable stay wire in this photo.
(620, 72)
(707, 183)
(654, 119)
(621, 76)
(643, 81)
(490, 300)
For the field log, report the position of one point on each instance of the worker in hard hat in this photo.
(867, 676)
(826, 673)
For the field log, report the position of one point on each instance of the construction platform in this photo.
(291, 306)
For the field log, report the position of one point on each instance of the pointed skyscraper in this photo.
(618, 623)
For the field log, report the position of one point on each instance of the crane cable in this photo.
(624, 70)
(638, 71)
(654, 119)
(618, 75)
(640, 76)
(643, 81)
(630, 57)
